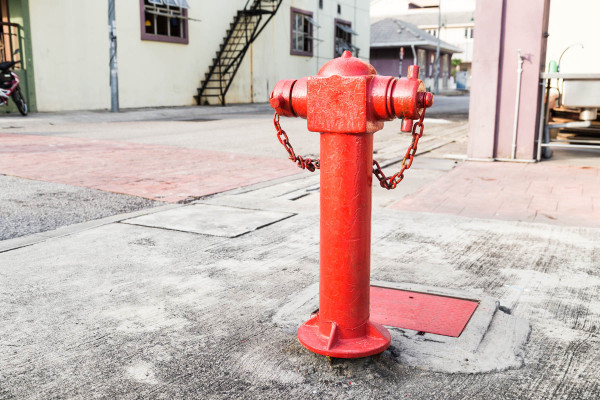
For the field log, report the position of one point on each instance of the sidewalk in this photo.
(543, 192)
(165, 173)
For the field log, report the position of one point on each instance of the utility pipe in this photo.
(114, 75)
(516, 125)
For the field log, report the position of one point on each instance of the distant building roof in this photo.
(423, 3)
(391, 32)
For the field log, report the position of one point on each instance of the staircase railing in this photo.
(247, 25)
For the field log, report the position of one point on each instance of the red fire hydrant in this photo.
(347, 102)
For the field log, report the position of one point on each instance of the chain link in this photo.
(385, 182)
(304, 163)
(392, 181)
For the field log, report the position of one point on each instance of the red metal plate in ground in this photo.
(422, 312)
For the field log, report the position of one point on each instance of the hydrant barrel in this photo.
(346, 103)
(343, 325)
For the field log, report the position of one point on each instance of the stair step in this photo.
(214, 61)
(259, 12)
(207, 75)
(230, 44)
(214, 75)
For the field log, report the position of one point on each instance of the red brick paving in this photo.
(567, 195)
(157, 172)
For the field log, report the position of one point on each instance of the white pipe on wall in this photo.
(516, 125)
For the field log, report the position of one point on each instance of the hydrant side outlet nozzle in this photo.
(347, 102)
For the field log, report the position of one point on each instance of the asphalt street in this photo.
(29, 206)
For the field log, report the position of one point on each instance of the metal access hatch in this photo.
(421, 312)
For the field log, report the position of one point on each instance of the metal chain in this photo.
(304, 163)
(392, 181)
(385, 182)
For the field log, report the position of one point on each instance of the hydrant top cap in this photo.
(346, 65)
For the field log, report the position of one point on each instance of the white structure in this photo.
(571, 22)
(457, 19)
(70, 49)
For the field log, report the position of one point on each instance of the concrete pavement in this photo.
(141, 311)
(201, 300)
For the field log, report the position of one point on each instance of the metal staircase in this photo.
(245, 28)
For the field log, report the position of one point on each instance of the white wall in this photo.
(575, 21)
(154, 74)
(456, 36)
(271, 60)
(71, 52)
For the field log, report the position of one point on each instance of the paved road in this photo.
(171, 155)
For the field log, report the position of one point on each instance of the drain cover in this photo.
(421, 312)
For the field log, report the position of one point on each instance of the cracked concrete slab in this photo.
(210, 220)
(126, 311)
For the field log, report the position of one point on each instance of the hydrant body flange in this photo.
(347, 102)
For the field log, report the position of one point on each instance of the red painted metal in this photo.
(347, 102)
(421, 312)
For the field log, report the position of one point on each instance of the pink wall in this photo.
(503, 26)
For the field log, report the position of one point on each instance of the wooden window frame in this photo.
(293, 52)
(163, 38)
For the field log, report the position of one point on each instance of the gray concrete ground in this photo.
(167, 307)
(132, 311)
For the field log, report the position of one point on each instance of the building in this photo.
(580, 37)
(507, 110)
(457, 26)
(396, 44)
(172, 52)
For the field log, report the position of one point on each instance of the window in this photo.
(301, 34)
(320, 4)
(164, 20)
(339, 9)
(343, 38)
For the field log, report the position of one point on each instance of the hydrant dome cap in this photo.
(346, 65)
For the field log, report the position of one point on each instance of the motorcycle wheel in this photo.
(19, 100)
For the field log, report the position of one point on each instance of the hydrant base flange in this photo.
(375, 340)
